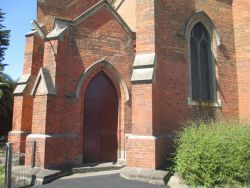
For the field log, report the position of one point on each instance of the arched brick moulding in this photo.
(122, 93)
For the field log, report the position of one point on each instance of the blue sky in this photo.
(19, 14)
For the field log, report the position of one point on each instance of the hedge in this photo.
(213, 154)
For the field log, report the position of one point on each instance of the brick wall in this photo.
(84, 44)
(155, 109)
(33, 55)
(47, 12)
(141, 153)
(142, 116)
(172, 86)
(145, 26)
(128, 16)
(242, 50)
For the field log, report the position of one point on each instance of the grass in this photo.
(2, 148)
(1, 175)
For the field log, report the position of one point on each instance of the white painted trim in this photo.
(145, 60)
(143, 74)
(126, 150)
(144, 68)
(38, 136)
(127, 135)
(24, 79)
(140, 137)
(64, 135)
(143, 137)
(18, 132)
(122, 157)
(44, 78)
(22, 84)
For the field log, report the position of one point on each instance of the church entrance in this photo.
(100, 121)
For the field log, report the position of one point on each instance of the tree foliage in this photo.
(4, 37)
(6, 93)
(7, 86)
(6, 83)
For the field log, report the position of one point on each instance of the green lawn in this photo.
(2, 148)
(1, 175)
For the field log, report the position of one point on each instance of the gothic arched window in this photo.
(202, 74)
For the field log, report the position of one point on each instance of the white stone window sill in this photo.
(216, 103)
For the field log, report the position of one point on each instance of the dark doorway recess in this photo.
(100, 121)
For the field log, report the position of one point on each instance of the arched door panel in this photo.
(100, 121)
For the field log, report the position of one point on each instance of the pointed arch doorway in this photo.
(100, 121)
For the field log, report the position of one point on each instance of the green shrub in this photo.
(214, 154)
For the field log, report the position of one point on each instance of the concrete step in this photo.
(25, 175)
(97, 167)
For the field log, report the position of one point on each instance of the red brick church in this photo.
(113, 81)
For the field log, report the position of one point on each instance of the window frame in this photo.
(208, 25)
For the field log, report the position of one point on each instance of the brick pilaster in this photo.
(23, 102)
(142, 144)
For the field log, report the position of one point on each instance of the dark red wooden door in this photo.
(100, 121)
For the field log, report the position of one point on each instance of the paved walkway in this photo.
(96, 180)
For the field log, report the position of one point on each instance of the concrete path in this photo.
(96, 180)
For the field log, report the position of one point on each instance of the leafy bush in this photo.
(214, 154)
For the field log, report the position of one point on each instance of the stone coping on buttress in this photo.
(158, 177)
